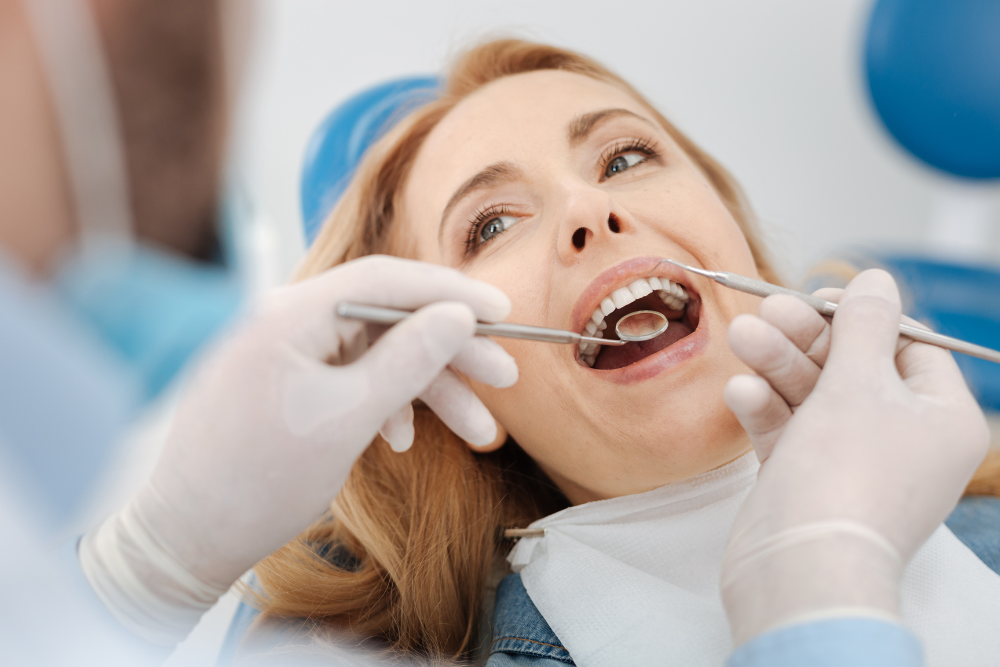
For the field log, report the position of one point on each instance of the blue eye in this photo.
(623, 162)
(496, 226)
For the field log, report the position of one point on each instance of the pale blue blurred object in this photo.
(933, 71)
(152, 309)
(81, 355)
(339, 143)
(64, 400)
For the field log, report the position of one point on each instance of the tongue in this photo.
(629, 353)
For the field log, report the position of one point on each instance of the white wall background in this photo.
(772, 88)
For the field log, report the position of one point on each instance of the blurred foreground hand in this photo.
(272, 422)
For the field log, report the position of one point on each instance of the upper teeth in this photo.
(672, 294)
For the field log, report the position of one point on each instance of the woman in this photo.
(542, 173)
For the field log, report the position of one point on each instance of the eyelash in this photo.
(483, 215)
(644, 146)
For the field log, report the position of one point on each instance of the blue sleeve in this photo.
(842, 642)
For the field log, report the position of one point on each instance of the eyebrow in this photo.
(495, 174)
(581, 126)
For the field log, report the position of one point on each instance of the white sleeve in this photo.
(140, 583)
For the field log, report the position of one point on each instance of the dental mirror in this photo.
(641, 325)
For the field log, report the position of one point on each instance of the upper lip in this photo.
(620, 275)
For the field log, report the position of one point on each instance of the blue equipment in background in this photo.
(338, 144)
(933, 69)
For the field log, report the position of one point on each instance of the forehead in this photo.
(517, 118)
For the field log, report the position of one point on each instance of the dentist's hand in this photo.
(275, 417)
(867, 442)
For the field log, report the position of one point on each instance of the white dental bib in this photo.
(635, 580)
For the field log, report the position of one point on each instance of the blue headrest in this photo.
(933, 70)
(338, 144)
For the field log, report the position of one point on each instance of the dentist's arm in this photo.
(274, 419)
(866, 444)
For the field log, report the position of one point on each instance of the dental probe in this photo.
(828, 308)
(379, 315)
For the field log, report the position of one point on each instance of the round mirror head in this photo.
(641, 325)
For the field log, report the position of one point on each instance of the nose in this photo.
(590, 216)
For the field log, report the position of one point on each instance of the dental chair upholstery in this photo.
(339, 143)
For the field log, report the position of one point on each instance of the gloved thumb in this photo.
(404, 361)
(866, 326)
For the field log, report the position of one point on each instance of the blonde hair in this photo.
(404, 554)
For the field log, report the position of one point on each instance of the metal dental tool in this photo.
(641, 325)
(827, 308)
(356, 311)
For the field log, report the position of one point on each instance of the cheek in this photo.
(526, 277)
(689, 211)
(713, 229)
(535, 362)
(723, 241)
(702, 226)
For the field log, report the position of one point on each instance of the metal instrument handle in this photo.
(933, 338)
(379, 315)
(760, 288)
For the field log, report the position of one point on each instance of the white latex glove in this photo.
(866, 443)
(273, 421)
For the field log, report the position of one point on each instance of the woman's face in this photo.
(561, 190)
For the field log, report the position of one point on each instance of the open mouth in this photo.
(678, 304)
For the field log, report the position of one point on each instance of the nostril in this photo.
(580, 238)
(613, 224)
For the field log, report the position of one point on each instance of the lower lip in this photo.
(669, 357)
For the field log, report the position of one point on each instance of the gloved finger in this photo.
(866, 327)
(759, 409)
(305, 311)
(801, 324)
(769, 352)
(485, 361)
(405, 361)
(929, 370)
(833, 294)
(398, 429)
(460, 409)
(393, 282)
